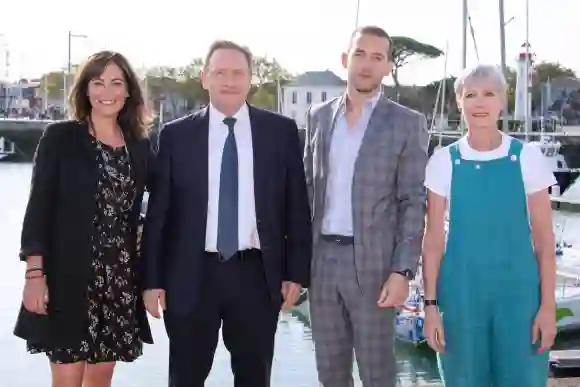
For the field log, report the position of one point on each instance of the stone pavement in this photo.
(566, 382)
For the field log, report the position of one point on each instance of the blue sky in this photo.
(301, 34)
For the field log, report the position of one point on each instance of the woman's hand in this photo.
(544, 329)
(35, 295)
(434, 329)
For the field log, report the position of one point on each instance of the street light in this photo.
(511, 19)
(69, 67)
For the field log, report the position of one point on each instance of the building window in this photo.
(323, 96)
(308, 97)
(294, 98)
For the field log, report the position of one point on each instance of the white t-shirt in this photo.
(536, 171)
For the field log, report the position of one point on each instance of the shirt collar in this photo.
(218, 117)
(370, 103)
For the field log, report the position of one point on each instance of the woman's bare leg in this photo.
(98, 375)
(67, 375)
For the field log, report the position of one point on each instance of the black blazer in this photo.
(175, 226)
(58, 225)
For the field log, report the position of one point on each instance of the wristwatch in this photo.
(408, 274)
(431, 303)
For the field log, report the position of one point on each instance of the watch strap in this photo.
(408, 274)
(431, 303)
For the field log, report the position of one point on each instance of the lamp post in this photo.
(71, 36)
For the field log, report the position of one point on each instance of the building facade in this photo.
(310, 88)
(21, 98)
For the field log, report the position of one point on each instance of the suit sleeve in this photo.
(308, 156)
(159, 181)
(298, 226)
(151, 163)
(411, 197)
(38, 218)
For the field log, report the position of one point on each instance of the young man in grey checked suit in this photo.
(365, 159)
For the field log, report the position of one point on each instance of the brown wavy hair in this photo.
(134, 119)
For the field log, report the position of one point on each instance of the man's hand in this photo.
(290, 293)
(153, 299)
(395, 292)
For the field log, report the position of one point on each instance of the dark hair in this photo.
(379, 33)
(228, 45)
(133, 118)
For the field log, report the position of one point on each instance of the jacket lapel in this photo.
(138, 157)
(328, 130)
(197, 147)
(378, 122)
(87, 150)
(259, 147)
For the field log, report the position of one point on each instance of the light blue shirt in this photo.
(344, 147)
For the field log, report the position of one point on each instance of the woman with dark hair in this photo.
(82, 299)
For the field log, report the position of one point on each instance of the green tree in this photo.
(263, 98)
(190, 86)
(544, 71)
(551, 70)
(268, 70)
(161, 86)
(511, 80)
(268, 74)
(405, 48)
(432, 91)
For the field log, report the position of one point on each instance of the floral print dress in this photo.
(113, 330)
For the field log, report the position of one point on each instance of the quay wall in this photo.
(26, 133)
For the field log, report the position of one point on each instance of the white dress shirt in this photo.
(218, 131)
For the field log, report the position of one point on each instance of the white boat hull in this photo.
(568, 291)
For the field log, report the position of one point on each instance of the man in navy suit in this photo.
(227, 238)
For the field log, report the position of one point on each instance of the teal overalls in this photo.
(489, 283)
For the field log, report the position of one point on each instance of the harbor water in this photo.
(294, 364)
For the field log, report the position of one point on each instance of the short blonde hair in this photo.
(483, 73)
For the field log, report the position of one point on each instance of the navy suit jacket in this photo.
(175, 227)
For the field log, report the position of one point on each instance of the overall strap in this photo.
(455, 152)
(515, 148)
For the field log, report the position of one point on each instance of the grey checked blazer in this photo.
(389, 199)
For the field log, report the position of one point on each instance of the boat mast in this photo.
(464, 36)
(502, 23)
(463, 49)
(527, 98)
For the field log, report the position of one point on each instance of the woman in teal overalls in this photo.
(489, 288)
